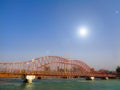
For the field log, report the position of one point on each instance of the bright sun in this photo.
(83, 31)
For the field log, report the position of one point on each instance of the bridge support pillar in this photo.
(90, 78)
(28, 78)
(105, 78)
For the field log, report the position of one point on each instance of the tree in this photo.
(118, 69)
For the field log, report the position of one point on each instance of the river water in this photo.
(60, 84)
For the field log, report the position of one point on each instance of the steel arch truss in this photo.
(48, 65)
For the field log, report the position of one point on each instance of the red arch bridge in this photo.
(50, 66)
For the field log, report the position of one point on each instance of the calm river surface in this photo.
(60, 84)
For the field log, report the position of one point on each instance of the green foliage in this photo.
(118, 69)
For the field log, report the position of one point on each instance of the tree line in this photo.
(118, 69)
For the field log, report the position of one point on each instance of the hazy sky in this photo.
(34, 28)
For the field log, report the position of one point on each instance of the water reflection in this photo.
(27, 86)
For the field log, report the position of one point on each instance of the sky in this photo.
(35, 28)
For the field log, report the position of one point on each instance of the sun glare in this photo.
(83, 31)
